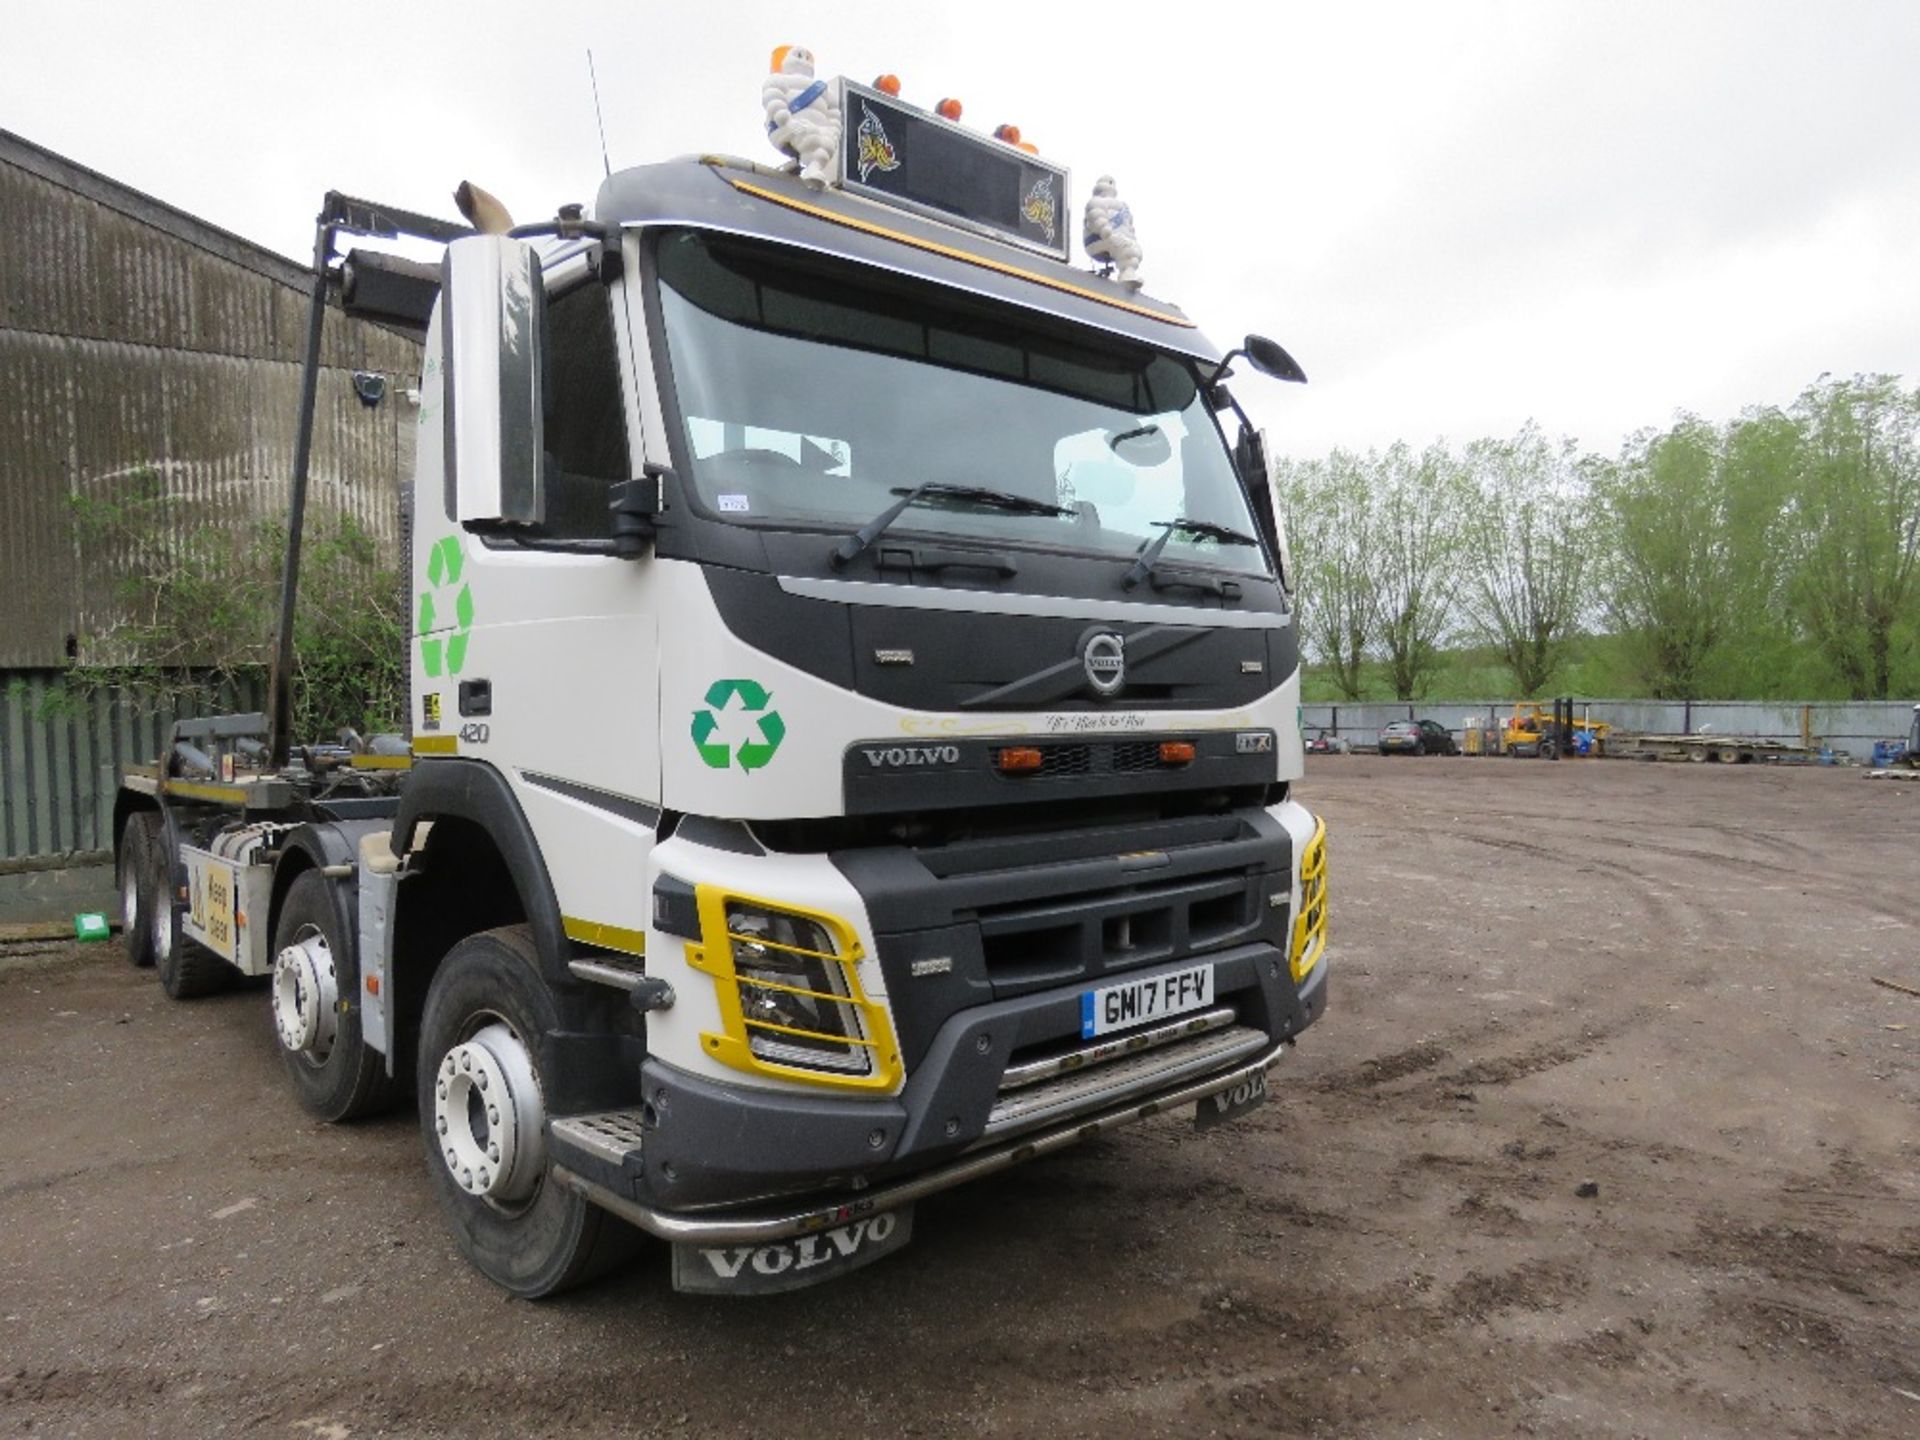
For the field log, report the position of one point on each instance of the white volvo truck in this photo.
(853, 718)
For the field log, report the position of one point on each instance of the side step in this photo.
(609, 1135)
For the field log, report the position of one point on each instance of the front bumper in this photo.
(710, 1162)
(770, 1223)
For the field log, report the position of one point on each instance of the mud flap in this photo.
(790, 1264)
(1231, 1104)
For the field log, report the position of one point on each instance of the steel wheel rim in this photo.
(489, 1119)
(306, 997)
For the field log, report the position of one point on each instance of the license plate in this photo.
(1231, 1103)
(1135, 1002)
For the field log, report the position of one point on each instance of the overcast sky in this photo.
(1456, 216)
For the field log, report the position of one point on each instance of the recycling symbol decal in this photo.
(733, 703)
(448, 652)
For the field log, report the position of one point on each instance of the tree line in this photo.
(1776, 555)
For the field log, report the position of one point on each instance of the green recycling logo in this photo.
(733, 701)
(444, 563)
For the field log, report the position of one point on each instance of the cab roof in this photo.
(741, 198)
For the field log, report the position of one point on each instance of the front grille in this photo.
(1050, 942)
(1095, 757)
(1065, 760)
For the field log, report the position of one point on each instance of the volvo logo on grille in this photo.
(895, 757)
(1105, 657)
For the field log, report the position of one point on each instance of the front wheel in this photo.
(336, 1074)
(483, 1121)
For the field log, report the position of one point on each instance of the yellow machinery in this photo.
(1549, 730)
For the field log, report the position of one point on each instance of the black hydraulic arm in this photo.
(339, 214)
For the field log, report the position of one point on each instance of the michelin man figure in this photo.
(1109, 236)
(803, 114)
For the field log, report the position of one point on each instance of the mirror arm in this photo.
(636, 504)
(567, 227)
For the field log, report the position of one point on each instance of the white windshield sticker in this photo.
(734, 503)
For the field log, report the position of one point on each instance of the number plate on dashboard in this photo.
(1134, 1002)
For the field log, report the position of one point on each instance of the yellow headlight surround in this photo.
(869, 1030)
(1310, 925)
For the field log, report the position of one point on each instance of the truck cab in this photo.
(854, 716)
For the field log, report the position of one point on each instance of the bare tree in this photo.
(1329, 525)
(1420, 504)
(1527, 544)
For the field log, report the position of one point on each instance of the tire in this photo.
(488, 995)
(136, 906)
(1548, 750)
(334, 1072)
(1419, 747)
(187, 971)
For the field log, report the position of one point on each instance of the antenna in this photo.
(601, 120)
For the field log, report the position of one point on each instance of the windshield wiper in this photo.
(935, 489)
(1143, 566)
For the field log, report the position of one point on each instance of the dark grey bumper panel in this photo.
(763, 1226)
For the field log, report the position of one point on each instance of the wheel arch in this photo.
(316, 847)
(478, 867)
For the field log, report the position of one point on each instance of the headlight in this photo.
(790, 998)
(793, 991)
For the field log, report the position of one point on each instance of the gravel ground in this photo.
(1646, 983)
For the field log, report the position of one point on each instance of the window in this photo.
(585, 422)
(813, 393)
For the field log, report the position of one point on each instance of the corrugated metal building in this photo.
(144, 352)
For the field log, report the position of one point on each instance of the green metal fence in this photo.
(61, 755)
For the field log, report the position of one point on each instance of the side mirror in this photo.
(1269, 357)
(493, 311)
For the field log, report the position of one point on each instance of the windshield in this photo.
(816, 393)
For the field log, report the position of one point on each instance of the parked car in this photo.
(1321, 741)
(1417, 737)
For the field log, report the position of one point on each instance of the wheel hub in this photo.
(489, 1117)
(306, 997)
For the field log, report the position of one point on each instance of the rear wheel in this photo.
(187, 971)
(136, 910)
(334, 1072)
(483, 1121)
